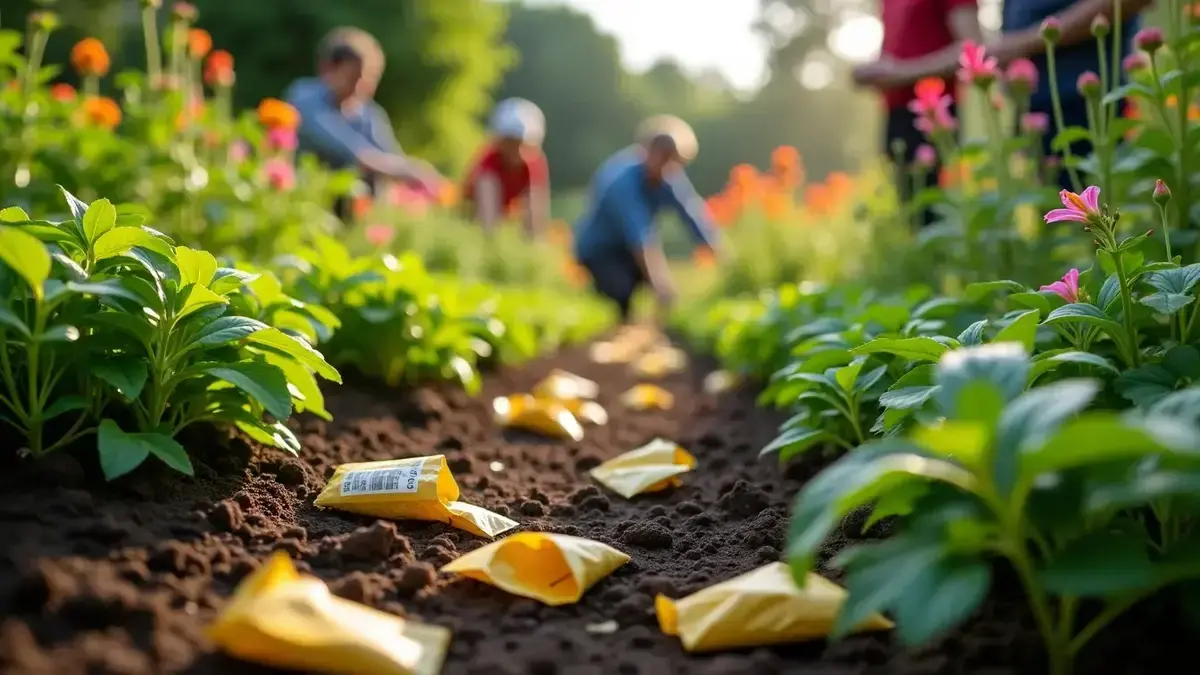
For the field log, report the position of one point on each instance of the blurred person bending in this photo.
(912, 30)
(616, 240)
(511, 171)
(340, 122)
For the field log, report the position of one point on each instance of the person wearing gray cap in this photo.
(511, 173)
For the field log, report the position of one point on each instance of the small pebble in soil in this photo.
(226, 516)
(496, 466)
(533, 508)
(415, 577)
(376, 542)
(648, 534)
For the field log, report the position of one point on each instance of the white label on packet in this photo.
(389, 480)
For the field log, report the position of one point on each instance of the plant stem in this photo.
(1101, 620)
(1127, 309)
(1101, 122)
(1166, 225)
(1056, 106)
(153, 49)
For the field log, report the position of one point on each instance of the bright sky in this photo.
(700, 34)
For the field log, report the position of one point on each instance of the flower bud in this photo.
(926, 156)
(185, 11)
(1148, 40)
(155, 4)
(1051, 30)
(1162, 193)
(44, 20)
(1135, 62)
(1035, 122)
(1101, 26)
(1088, 85)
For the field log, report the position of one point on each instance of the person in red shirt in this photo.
(511, 173)
(914, 29)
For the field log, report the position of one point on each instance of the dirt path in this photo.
(123, 581)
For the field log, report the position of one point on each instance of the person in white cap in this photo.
(616, 240)
(511, 173)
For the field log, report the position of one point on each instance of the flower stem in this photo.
(1166, 225)
(1135, 355)
(153, 49)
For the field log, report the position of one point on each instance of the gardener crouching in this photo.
(511, 173)
(616, 240)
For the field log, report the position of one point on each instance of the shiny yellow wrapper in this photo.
(541, 416)
(719, 382)
(587, 412)
(763, 607)
(555, 569)
(417, 488)
(560, 385)
(280, 618)
(611, 352)
(660, 361)
(652, 467)
(648, 397)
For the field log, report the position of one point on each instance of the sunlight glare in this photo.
(814, 74)
(857, 39)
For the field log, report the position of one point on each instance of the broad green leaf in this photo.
(77, 208)
(1089, 315)
(1031, 300)
(1143, 488)
(877, 576)
(226, 329)
(1167, 303)
(133, 326)
(263, 382)
(1043, 366)
(101, 216)
(794, 441)
(940, 597)
(907, 398)
(199, 297)
(1022, 329)
(1183, 361)
(195, 267)
(1184, 404)
(1146, 385)
(1003, 364)
(27, 256)
(973, 335)
(169, 452)
(846, 375)
(898, 502)
(13, 214)
(120, 452)
(120, 240)
(1094, 438)
(274, 339)
(64, 404)
(913, 349)
(1028, 421)
(275, 433)
(127, 375)
(228, 279)
(59, 333)
(306, 393)
(1100, 564)
(965, 442)
(978, 291)
(109, 288)
(11, 321)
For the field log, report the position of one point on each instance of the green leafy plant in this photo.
(1024, 476)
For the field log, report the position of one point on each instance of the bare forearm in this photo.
(653, 262)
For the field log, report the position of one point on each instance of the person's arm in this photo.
(692, 210)
(487, 201)
(621, 202)
(963, 21)
(537, 201)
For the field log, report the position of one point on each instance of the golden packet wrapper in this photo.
(560, 385)
(417, 488)
(605, 352)
(659, 362)
(555, 569)
(283, 619)
(541, 416)
(719, 382)
(652, 467)
(644, 397)
(762, 607)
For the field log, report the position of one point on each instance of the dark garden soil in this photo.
(122, 579)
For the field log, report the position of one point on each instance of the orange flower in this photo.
(62, 92)
(785, 156)
(559, 234)
(840, 185)
(218, 69)
(817, 199)
(102, 112)
(199, 43)
(575, 274)
(275, 114)
(90, 58)
(722, 209)
(776, 204)
(704, 258)
(447, 195)
(744, 177)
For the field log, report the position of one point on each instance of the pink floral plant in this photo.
(280, 174)
(1079, 208)
(975, 66)
(280, 139)
(1022, 73)
(1035, 122)
(380, 234)
(1067, 288)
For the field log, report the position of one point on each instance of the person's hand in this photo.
(882, 74)
(664, 295)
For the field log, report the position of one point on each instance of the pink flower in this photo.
(1022, 74)
(1035, 122)
(1051, 29)
(1135, 62)
(1067, 288)
(975, 66)
(1148, 39)
(281, 139)
(1162, 193)
(925, 156)
(380, 234)
(931, 104)
(1088, 84)
(239, 151)
(280, 174)
(1080, 208)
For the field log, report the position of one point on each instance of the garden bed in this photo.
(124, 578)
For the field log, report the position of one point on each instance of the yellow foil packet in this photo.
(417, 488)
(763, 607)
(660, 361)
(555, 569)
(612, 352)
(648, 397)
(652, 467)
(278, 617)
(560, 385)
(542, 416)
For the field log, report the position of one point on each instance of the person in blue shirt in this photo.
(616, 240)
(1075, 54)
(342, 125)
